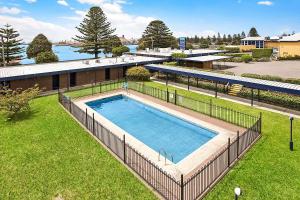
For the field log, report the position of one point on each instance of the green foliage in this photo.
(296, 57)
(246, 58)
(232, 49)
(253, 32)
(38, 45)
(204, 46)
(178, 55)
(13, 102)
(9, 39)
(262, 53)
(111, 43)
(158, 34)
(46, 57)
(96, 33)
(272, 78)
(118, 51)
(138, 74)
(189, 46)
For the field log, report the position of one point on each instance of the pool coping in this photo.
(187, 165)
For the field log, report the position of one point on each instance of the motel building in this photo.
(68, 74)
(288, 46)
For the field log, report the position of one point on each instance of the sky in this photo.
(57, 19)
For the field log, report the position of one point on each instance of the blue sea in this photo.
(66, 53)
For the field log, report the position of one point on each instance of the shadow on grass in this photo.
(22, 116)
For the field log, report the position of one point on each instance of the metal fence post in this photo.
(260, 122)
(228, 152)
(167, 95)
(100, 86)
(182, 188)
(93, 124)
(86, 117)
(175, 100)
(210, 108)
(70, 105)
(124, 149)
(238, 144)
(252, 96)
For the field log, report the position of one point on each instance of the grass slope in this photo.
(47, 154)
(269, 170)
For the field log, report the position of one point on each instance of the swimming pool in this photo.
(155, 128)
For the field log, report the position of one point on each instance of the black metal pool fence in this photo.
(169, 187)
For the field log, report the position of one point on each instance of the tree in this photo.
(118, 51)
(16, 101)
(9, 40)
(46, 57)
(95, 33)
(138, 74)
(243, 35)
(253, 32)
(157, 35)
(38, 45)
(111, 43)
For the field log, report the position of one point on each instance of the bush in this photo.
(178, 55)
(272, 78)
(262, 53)
(16, 101)
(290, 58)
(46, 57)
(204, 46)
(118, 51)
(232, 49)
(246, 58)
(138, 74)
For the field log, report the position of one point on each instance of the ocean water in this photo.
(66, 53)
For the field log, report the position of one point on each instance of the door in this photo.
(107, 74)
(73, 79)
(55, 82)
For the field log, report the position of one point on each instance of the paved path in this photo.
(284, 69)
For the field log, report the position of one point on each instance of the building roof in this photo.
(205, 58)
(167, 53)
(247, 82)
(253, 39)
(34, 70)
(291, 38)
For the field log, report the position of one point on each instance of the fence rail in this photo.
(167, 186)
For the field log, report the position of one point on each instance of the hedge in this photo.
(179, 55)
(272, 78)
(232, 49)
(262, 53)
(274, 98)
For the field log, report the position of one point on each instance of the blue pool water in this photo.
(156, 129)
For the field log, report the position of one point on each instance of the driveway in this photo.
(284, 69)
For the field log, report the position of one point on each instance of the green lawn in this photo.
(269, 170)
(48, 153)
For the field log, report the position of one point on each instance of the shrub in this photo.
(16, 101)
(262, 53)
(118, 51)
(138, 74)
(178, 55)
(296, 57)
(232, 49)
(46, 57)
(189, 46)
(272, 78)
(204, 46)
(246, 58)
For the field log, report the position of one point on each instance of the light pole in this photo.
(2, 47)
(291, 132)
(237, 193)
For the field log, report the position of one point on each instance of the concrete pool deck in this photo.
(189, 164)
